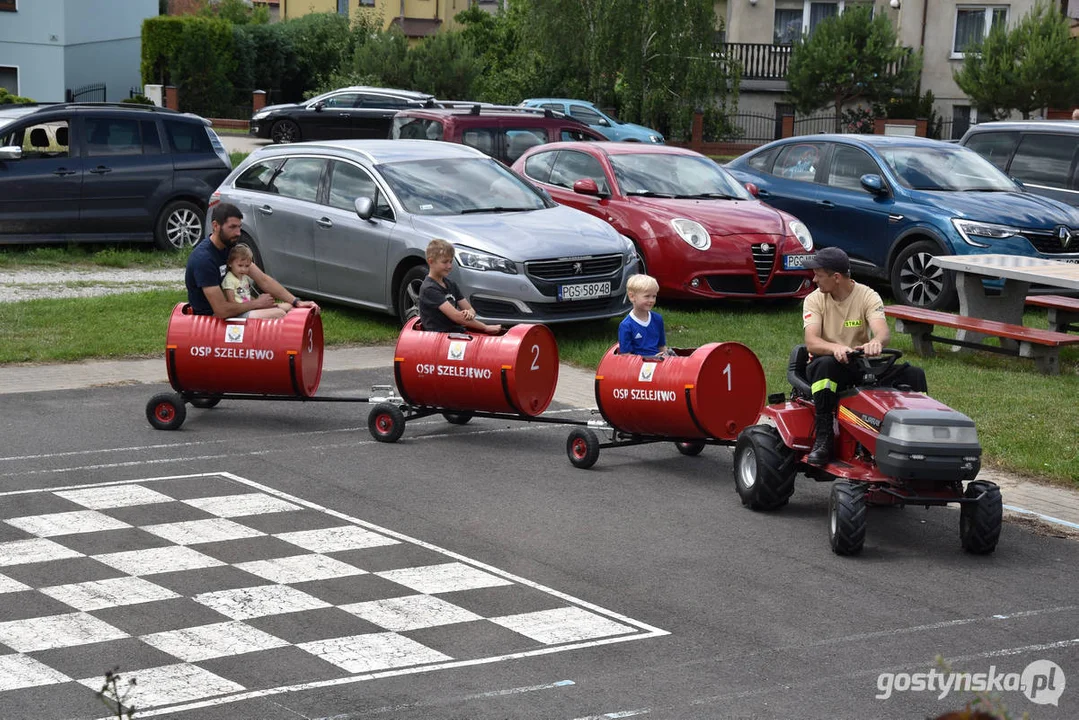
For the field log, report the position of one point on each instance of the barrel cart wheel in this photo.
(979, 522)
(764, 468)
(166, 411)
(386, 423)
(691, 448)
(582, 447)
(205, 402)
(457, 418)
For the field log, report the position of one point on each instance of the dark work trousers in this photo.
(827, 376)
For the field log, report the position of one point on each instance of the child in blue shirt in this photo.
(641, 333)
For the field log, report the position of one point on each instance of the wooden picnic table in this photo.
(1018, 273)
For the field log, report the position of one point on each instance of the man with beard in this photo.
(206, 267)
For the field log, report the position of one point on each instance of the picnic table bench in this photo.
(1041, 345)
(1063, 311)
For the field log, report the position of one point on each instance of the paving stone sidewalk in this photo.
(1024, 500)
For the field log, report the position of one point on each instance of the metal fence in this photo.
(748, 128)
(86, 93)
(955, 128)
(241, 107)
(823, 123)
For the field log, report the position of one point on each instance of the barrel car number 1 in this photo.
(584, 291)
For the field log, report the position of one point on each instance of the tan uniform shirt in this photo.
(844, 322)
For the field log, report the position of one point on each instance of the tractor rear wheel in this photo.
(979, 522)
(763, 468)
(846, 518)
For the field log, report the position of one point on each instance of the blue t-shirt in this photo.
(205, 268)
(638, 338)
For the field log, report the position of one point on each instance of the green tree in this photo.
(383, 59)
(1030, 67)
(496, 41)
(445, 66)
(850, 57)
(237, 12)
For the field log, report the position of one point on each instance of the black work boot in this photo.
(821, 453)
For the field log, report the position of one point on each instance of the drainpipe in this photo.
(925, 16)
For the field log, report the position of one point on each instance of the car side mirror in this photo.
(604, 122)
(1018, 182)
(11, 152)
(365, 208)
(753, 189)
(318, 106)
(874, 184)
(586, 186)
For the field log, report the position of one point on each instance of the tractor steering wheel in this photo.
(873, 369)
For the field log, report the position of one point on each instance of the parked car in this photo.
(100, 172)
(351, 112)
(697, 230)
(1041, 154)
(892, 203)
(349, 221)
(502, 132)
(603, 123)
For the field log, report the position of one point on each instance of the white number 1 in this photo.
(727, 372)
(535, 358)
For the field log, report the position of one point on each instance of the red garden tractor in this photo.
(893, 446)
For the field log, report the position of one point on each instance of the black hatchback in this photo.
(351, 112)
(101, 172)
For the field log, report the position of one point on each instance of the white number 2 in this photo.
(727, 372)
(535, 357)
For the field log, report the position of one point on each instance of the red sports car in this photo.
(698, 231)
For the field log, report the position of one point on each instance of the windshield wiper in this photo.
(495, 209)
(649, 193)
(708, 196)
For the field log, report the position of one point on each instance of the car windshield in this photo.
(945, 168)
(675, 176)
(459, 186)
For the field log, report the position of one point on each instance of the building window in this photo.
(787, 27)
(974, 22)
(368, 3)
(821, 11)
(9, 5)
(9, 79)
(342, 7)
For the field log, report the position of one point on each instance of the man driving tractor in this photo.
(840, 317)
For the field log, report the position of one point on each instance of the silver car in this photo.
(349, 221)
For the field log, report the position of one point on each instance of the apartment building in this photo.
(416, 18)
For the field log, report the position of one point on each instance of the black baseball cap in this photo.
(829, 258)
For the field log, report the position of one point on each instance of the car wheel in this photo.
(916, 282)
(285, 131)
(846, 518)
(691, 448)
(178, 226)
(642, 264)
(764, 469)
(979, 522)
(205, 403)
(457, 418)
(582, 448)
(408, 294)
(166, 411)
(386, 423)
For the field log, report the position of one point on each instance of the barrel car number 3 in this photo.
(584, 291)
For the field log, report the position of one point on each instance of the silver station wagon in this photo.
(349, 220)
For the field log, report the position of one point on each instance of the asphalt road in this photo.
(698, 607)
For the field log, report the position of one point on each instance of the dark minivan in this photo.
(100, 172)
(1041, 154)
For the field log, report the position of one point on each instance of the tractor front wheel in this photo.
(847, 518)
(979, 522)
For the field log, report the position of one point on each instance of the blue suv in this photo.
(892, 203)
(606, 125)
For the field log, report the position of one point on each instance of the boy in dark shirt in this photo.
(442, 309)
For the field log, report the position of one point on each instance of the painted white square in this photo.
(336, 539)
(447, 577)
(20, 671)
(170, 684)
(300, 568)
(194, 644)
(192, 532)
(21, 552)
(562, 625)
(114, 496)
(411, 612)
(243, 603)
(115, 592)
(239, 505)
(157, 560)
(67, 523)
(11, 585)
(57, 631)
(374, 651)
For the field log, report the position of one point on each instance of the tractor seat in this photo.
(796, 372)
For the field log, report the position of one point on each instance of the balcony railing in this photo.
(771, 62)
